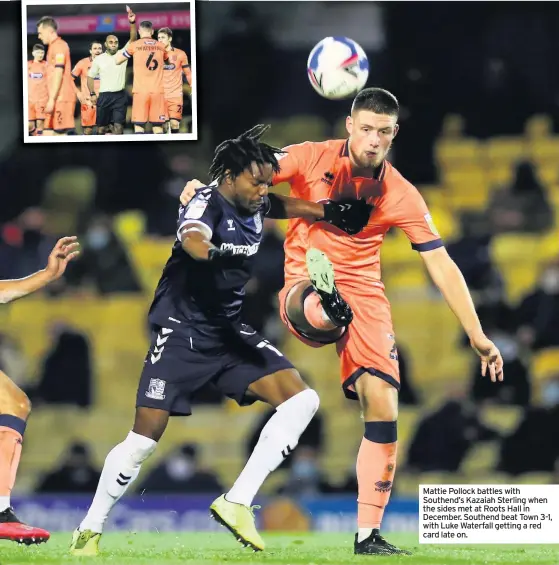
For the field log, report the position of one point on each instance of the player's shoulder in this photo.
(395, 180)
(312, 151)
(205, 198)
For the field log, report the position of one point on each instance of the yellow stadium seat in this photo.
(498, 176)
(544, 151)
(538, 126)
(308, 128)
(460, 152)
(549, 173)
(467, 189)
(545, 363)
(504, 150)
(130, 225)
(445, 222)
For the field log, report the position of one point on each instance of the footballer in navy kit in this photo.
(198, 336)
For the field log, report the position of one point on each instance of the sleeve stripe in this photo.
(59, 66)
(126, 54)
(195, 224)
(74, 76)
(428, 246)
(186, 66)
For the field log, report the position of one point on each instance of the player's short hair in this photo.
(95, 42)
(236, 155)
(48, 21)
(167, 31)
(38, 47)
(376, 100)
(146, 24)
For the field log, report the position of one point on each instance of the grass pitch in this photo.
(305, 549)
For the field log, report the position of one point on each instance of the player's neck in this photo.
(227, 193)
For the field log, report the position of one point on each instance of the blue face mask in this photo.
(97, 238)
(304, 470)
(550, 394)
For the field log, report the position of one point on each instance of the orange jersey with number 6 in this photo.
(149, 59)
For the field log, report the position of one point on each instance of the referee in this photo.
(113, 99)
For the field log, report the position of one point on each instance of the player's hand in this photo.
(131, 15)
(93, 101)
(490, 357)
(348, 214)
(80, 98)
(225, 257)
(66, 249)
(189, 191)
(49, 108)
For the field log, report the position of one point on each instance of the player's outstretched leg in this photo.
(321, 274)
(14, 411)
(295, 406)
(121, 468)
(376, 463)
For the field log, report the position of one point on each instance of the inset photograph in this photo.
(101, 71)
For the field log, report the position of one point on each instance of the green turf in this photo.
(307, 549)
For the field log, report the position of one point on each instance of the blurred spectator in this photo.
(471, 254)
(523, 206)
(534, 445)
(305, 477)
(538, 314)
(66, 376)
(550, 391)
(443, 439)
(180, 472)
(104, 262)
(76, 474)
(267, 278)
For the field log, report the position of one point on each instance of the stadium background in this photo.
(82, 23)
(479, 89)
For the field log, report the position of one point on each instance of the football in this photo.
(337, 67)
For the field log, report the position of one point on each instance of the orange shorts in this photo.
(368, 344)
(37, 110)
(62, 118)
(148, 107)
(89, 115)
(173, 108)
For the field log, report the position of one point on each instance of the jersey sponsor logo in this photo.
(328, 178)
(196, 209)
(156, 389)
(247, 250)
(431, 225)
(169, 67)
(36, 75)
(258, 222)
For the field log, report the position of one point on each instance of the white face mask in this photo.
(550, 281)
(179, 468)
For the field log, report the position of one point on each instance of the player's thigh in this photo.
(174, 108)
(12, 399)
(140, 108)
(88, 115)
(32, 111)
(378, 398)
(119, 109)
(48, 122)
(173, 371)
(157, 110)
(257, 370)
(291, 299)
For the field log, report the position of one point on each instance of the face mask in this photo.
(304, 470)
(550, 394)
(179, 468)
(97, 238)
(550, 281)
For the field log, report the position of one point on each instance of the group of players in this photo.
(345, 196)
(157, 92)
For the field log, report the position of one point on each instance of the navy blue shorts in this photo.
(180, 361)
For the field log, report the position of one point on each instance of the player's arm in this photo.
(56, 82)
(133, 28)
(93, 72)
(123, 55)
(412, 216)
(64, 251)
(77, 75)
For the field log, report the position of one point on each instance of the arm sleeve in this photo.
(94, 70)
(129, 49)
(412, 216)
(60, 58)
(202, 211)
(184, 63)
(77, 70)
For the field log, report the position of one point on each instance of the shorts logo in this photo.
(383, 486)
(159, 345)
(156, 389)
(163, 118)
(258, 222)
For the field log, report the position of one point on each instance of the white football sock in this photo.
(122, 466)
(278, 439)
(363, 533)
(4, 502)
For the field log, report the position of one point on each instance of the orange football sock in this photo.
(376, 466)
(10, 453)
(314, 313)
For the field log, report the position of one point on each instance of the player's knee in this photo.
(139, 447)
(381, 432)
(307, 400)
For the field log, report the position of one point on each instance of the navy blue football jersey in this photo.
(197, 291)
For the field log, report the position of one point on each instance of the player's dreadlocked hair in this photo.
(236, 155)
